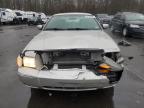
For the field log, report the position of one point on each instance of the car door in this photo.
(117, 22)
(120, 22)
(114, 21)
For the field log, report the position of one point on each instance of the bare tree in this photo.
(92, 6)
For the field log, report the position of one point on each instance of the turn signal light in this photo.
(103, 70)
(19, 61)
(104, 66)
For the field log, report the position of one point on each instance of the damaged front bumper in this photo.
(63, 79)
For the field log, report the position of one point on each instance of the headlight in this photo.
(26, 62)
(29, 62)
(134, 26)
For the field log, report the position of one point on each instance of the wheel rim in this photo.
(124, 32)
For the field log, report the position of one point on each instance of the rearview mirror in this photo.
(40, 27)
(105, 26)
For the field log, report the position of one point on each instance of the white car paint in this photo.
(72, 79)
(7, 15)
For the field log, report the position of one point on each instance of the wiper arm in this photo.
(77, 29)
(72, 29)
(82, 29)
(55, 29)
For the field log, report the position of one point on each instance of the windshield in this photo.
(72, 22)
(134, 16)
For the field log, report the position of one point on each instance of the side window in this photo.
(122, 17)
(3, 13)
(118, 17)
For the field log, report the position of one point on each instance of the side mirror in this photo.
(40, 27)
(105, 26)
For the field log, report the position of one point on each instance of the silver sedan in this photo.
(71, 53)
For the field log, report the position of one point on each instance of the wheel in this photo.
(35, 91)
(108, 91)
(29, 23)
(4, 23)
(125, 32)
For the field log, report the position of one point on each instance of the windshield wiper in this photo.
(82, 29)
(54, 29)
(72, 29)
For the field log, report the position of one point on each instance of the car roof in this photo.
(102, 14)
(125, 13)
(72, 13)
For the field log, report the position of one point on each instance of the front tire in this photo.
(39, 92)
(35, 91)
(109, 91)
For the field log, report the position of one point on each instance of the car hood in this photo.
(89, 39)
(138, 22)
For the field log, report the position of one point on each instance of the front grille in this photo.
(72, 57)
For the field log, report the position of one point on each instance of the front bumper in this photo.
(47, 80)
